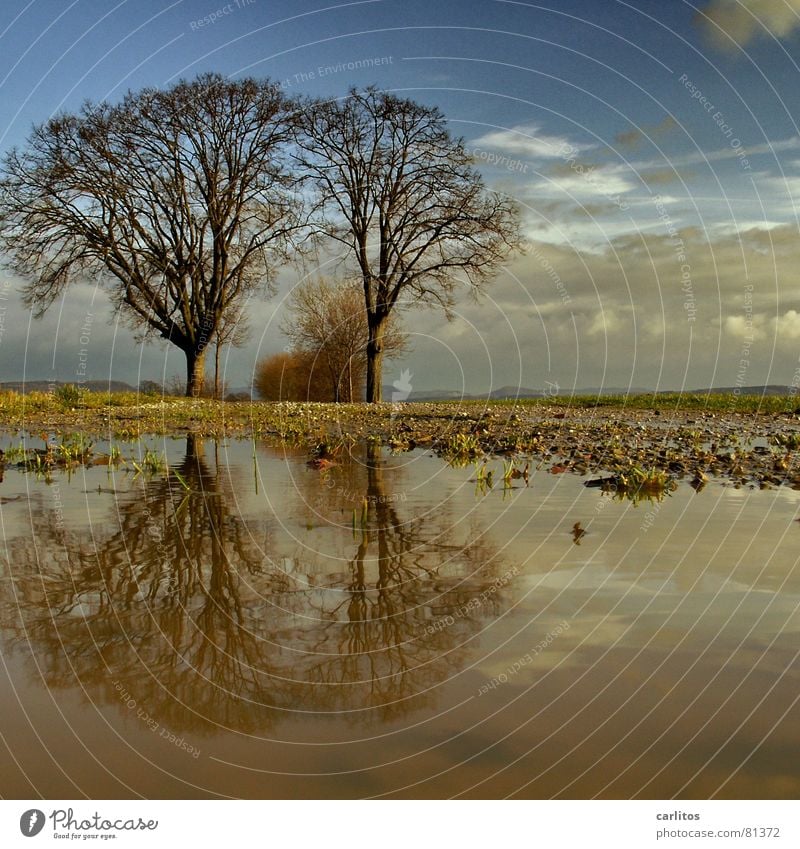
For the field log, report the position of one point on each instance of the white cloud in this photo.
(528, 140)
(787, 326)
(602, 182)
(745, 327)
(783, 330)
(606, 323)
(733, 228)
(742, 20)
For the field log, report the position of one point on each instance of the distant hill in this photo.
(44, 385)
(771, 389)
(242, 390)
(508, 392)
(511, 392)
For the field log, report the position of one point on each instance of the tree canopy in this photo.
(178, 200)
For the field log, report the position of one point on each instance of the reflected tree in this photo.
(401, 619)
(188, 604)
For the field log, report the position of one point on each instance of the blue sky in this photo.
(653, 148)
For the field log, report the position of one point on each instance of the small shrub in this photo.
(69, 395)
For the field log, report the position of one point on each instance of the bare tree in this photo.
(328, 321)
(402, 195)
(177, 200)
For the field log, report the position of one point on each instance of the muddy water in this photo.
(389, 627)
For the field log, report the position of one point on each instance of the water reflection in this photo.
(338, 631)
(181, 597)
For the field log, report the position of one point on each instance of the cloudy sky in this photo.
(652, 147)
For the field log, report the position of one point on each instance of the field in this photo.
(157, 414)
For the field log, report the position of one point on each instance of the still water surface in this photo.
(262, 634)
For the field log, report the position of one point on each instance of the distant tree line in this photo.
(185, 202)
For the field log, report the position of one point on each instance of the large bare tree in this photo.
(402, 195)
(327, 321)
(177, 200)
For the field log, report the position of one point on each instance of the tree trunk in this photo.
(350, 379)
(195, 373)
(216, 371)
(378, 503)
(377, 326)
